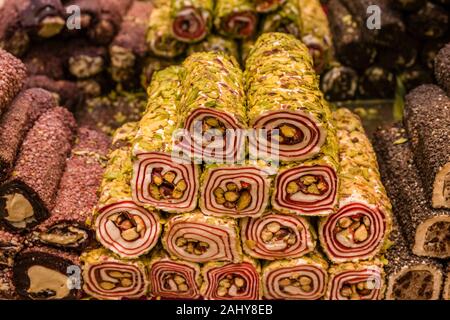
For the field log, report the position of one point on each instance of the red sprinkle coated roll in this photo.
(298, 279)
(277, 236)
(198, 238)
(173, 279)
(231, 281)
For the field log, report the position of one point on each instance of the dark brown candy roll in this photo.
(400, 57)
(408, 5)
(351, 40)
(392, 29)
(12, 76)
(47, 58)
(13, 37)
(41, 273)
(43, 18)
(95, 86)
(27, 198)
(66, 91)
(77, 195)
(17, 121)
(7, 288)
(129, 47)
(85, 60)
(425, 229)
(408, 276)
(430, 50)
(427, 120)
(339, 83)
(430, 22)
(377, 82)
(10, 246)
(414, 76)
(442, 68)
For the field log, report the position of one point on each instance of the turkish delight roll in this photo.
(173, 279)
(107, 277)
(265, 6)
(287, 19)
(160, 39)
(77, 195)
(216, 43)
(232, 281)
(284, 99)
(10, 246)
(236, 18)
(212, 108)
(17, 121)
(13, 74)
(427, 120)
(235, 190)
(303, 278)
(425, 229)
(161, 179)
(192, 19)
(122, 226)
(198, 238)
(359, 229)
(408, 276)
(42, 273)
(129, 48)
(442, 68)
(356, 281)
(277, 236)
(27, 198)
(315, 33)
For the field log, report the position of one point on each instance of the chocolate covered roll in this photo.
(216, 43)
(122, 226)
(429, 22)
(106, 277)
(7, 288)
(27, 198)
(198, 238)
(427, 120)
(430, 50)
(415, 76)
(351, 40)
(173, 279)
(315, 33)
(340, 83)
(77, 195)
(287, 19)
(400, 57)
(235, 190)
(424, 228)
(277, 64)
(43, 18)
(192, 19)
(10, 246)
(212, 108)
(265, 6)
(86, 61)
(160, 39)
(408, 276)
(231, 281)
(297, 279)
(101, 19)
(277, 236)
(48, 59)
(129, 47)
(236, 18)
(107, 113)
(17, 121)
(356, 281)
(161, 179)
(442, 68)
(359, 229)
(13, 36)
(41, 273)
(13, 74)
(66, 91)
(377, 82)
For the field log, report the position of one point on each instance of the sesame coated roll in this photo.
(17, 121)
(425, 229)
(42, 273)
(27, 198)
(427, 120)
(77, 195)
(13, 74)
